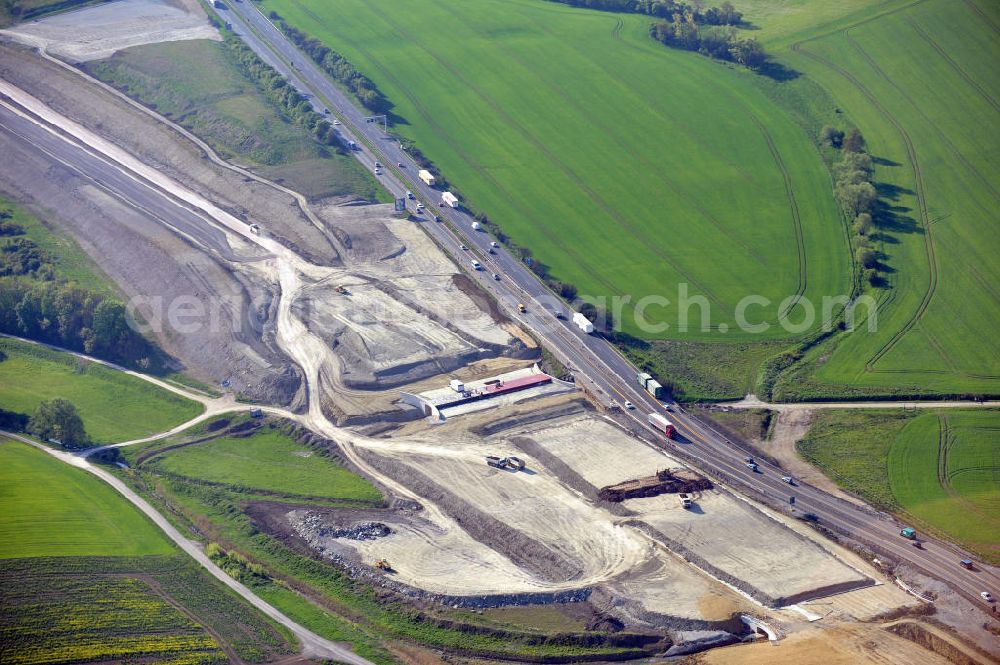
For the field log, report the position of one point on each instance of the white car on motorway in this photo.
(629, 405)
(987, 596)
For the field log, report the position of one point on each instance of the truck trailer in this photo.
(426, 176)
(450, 199)
(583, 323)
(650, 385)
(654, 388)
(662, 424)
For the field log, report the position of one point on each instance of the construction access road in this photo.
(595, 362)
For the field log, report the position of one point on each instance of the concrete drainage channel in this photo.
(759, 627)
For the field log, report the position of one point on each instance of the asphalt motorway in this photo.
(595, 362)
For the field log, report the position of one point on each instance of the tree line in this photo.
(337, 66)
(724, 14)
(276, 88)
(854, 189)
(690, 26)
(36, 303)
(722, 42)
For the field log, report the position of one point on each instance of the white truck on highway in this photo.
(450, 199)
(426, 176)
(583, 323)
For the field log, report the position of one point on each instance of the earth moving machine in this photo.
(661, 424)
(382, 564)
(341, 289)
(512, 463)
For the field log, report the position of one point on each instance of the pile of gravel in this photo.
(313, 526)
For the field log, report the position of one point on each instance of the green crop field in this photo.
(114, 406)
(268, 461)
(162, 609)
(921, 83)
(940, 470)
(198, 85)
(626, 167)
(48, 508)
(75, 620)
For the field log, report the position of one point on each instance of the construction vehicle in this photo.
(685, 500)
(341, 289)
(521, 308)
(382, 564)
(512, 463)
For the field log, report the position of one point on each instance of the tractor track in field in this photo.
(649, 166)
(616, 32)
(917, 107)
(525, 211)
(921, 202)
(986, 19)
(945, 442)
(954, 65)
(543, 149)
(796, 219)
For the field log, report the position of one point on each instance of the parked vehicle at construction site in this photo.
(685, 500)
(512, 463)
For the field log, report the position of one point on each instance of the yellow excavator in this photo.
(382, 564)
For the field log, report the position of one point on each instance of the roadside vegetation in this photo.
(86, 577)
(935, 470)
(226, 96)
(319, 594)
(112, 405)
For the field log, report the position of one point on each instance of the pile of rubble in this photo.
(312, 526)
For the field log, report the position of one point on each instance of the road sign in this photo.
(400, 205)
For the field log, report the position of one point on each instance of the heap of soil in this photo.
(664, 482)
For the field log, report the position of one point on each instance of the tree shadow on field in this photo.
(892, 192)
(778, 72)
(882, 161)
